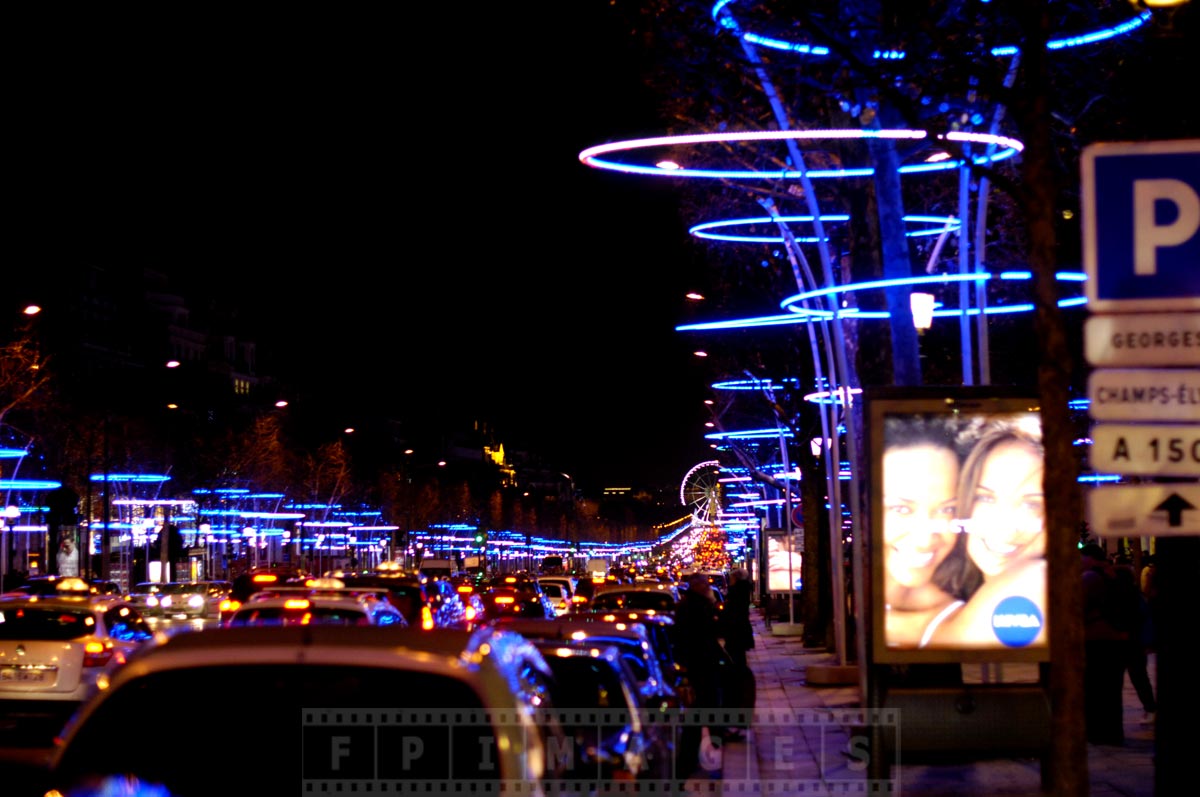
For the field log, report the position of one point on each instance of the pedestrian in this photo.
(1105, 649)
(740, 689)
(700, 654)
(1141, 636)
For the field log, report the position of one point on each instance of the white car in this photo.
(561, 591)
(54, 650)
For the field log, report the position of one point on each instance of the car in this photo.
(51, 585)
(561, 591)
(193, 599)
(54, 650)
(659, 627)
(316, 609)
(596, 699)
(647, 596)
(425, 603)
(468, 589)
(334, 708)
(516, 596)
(655, 690)
(255, 580)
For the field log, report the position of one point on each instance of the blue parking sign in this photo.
(1141, 225)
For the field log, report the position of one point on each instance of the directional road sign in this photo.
(1144, 510)
(1144, 394)
(1146, 449)
(1142, 339)
(1141, 225)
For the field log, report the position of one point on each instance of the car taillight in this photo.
(230, 605)
(426, 618)
(97, 654)
(578, 599)
(505, 600)
(470, 613)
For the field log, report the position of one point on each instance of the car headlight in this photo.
(195, 601)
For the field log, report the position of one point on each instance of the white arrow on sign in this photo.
(1146, 449)
(1144, 394)
(1142, 339)
(1144, 510)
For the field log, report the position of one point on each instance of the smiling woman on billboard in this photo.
(1003, 515)
(958, 547)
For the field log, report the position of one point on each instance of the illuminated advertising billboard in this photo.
(958, 532)
(784, 560)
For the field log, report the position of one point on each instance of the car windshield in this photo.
(45, 623)
(585, 683)
(298, 719)
(183, 589)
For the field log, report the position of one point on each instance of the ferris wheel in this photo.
(702, 492)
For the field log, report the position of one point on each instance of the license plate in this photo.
(34, 675)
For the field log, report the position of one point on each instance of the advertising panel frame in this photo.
(776, 551)
(1011, 635)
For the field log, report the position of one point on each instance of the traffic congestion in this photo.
(561, 682)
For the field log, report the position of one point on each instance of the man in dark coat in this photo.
(739, 688)
(699, 652)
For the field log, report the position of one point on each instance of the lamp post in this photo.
(7, 519)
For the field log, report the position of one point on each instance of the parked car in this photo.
(55, 649)
(329, 704)
(193, 599)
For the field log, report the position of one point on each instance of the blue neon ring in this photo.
(947, 224)
(1076, 40)
(1007, 148)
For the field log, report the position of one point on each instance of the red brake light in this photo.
(505, 600)
(266, 578)
(426, 618)
(97, 654)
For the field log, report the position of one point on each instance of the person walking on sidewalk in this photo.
(700, 654)
(739, 689)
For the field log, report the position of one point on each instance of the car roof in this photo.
(381, 646)
(98, 602)
(567, 625)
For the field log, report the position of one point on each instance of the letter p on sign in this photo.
(1141, 226)
(1149, 235)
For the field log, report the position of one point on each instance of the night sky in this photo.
(395, 205)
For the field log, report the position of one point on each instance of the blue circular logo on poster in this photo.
(1016, 621)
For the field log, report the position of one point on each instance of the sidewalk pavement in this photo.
(803, 741)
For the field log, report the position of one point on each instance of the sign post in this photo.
(1141, 247)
